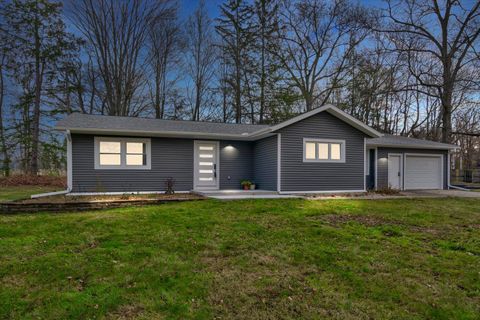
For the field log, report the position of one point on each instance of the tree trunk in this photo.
(36, 107)
(3, 143)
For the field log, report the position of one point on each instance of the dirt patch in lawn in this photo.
(371, 221)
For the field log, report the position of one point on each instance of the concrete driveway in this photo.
(441, 193)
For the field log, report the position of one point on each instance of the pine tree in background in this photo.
(36, 41)
(233, 30)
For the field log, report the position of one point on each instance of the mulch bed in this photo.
(63, 203)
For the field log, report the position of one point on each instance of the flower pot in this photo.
(246, 187)
(252, 187)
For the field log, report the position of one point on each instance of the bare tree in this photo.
(446, 33)
(201, 55)
(164, 44)
(116, 32)
(316, 42)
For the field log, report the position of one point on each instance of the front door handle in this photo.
(399, 173)
(215, 170)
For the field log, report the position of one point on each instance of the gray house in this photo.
(324, 150)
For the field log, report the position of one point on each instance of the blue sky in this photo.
(188, 6)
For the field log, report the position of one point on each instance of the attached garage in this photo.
(423, 172)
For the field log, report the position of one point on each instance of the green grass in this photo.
(11, 193)
(252, 259)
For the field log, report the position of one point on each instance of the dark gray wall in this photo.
(265, 163)
(170, 158)
(236, 163)
(382, 163)
(309, 176)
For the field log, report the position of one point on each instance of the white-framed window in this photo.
(122, 153)
(323, 150)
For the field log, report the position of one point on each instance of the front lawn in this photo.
(12, 193)
(252, 259)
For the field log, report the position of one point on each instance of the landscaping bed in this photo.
(60, 203)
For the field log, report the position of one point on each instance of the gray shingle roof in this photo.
(131, 125)
(145, 125)
(389, 140)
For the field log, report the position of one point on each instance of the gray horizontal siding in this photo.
(265, 163)
(170, 158)
(382, 163)
(297, 175)
(236, 163)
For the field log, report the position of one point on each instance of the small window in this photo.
(321, 150)
(122, 153)
(110, 153)
(136, 154)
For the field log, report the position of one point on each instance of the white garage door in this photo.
(423, 172)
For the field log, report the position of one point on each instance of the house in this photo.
(323, 150)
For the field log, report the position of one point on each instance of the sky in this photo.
(188, 6)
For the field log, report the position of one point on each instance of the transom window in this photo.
(322, 150)
(122, 153)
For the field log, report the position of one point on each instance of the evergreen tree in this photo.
(37, 43)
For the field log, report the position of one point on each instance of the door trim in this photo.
(431, 155)
(195, 164)
(401, 166)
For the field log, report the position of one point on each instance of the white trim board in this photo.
(69, 162)
(118, 193)
(342, 115)
(279, 162)
(321, 191)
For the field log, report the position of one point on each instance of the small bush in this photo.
(32, 180)
(387, 191)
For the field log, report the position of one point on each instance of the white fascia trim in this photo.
(166, 134)
(323, 191)
(69, 162)
(119, 193)
(376, 168)
(279, 162)
(330, 109)
(411, 146)
(365, 163)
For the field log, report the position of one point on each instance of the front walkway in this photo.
(400, 195)
(266, 194)
(244, 194)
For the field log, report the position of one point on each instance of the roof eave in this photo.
(167, 134)
(413, 146)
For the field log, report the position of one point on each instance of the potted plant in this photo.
(246, 184)
(252, 186)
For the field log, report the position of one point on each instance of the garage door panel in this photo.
(423, 172)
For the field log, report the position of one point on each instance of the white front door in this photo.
(205, 165)
(395, 171)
